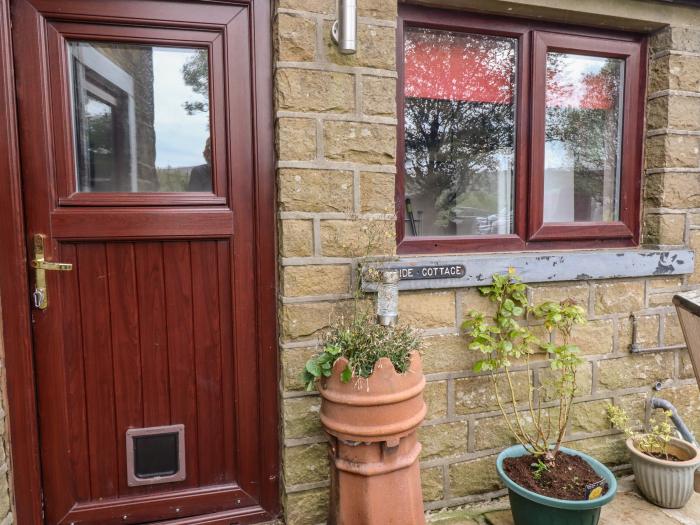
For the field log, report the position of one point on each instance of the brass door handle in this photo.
(46, 265)
(40, 296)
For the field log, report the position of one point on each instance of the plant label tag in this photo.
(596, 490)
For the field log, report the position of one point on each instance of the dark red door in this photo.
(145, 154)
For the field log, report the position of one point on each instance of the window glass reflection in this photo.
(141, 116)
(582, 138)
(459, 133)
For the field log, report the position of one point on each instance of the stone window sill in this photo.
(542, 267)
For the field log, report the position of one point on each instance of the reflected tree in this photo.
(195, 73)
(583, 114)
(459, 118)
(450, 151)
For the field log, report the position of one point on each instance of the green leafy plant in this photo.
(652, 443)
(505, 340)
(539, 468)
(362, 342)
(358, 337)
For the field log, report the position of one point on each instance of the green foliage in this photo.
(564, 357)
(362, 342)
(195, 73)
(320, 365)
(539, 468)
(505, 338)
(653, 443)
(501, 338)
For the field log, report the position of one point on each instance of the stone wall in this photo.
(6, 516)
(336, 145)
(336, 157)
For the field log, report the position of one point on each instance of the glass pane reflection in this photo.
(583, 126)
(459, 133)
(141, 117)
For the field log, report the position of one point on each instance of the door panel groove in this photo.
(153, 334)
(99, 367)
(75, 359)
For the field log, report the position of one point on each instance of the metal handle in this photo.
(40, 297)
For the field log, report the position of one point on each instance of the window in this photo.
(141, 115)
(516, 135)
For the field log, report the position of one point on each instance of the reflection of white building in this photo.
(104, 91)
(485, 221)
(558, 182)
(562, 203)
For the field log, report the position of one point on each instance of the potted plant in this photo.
(371, 382)
(664, 467)
(547, 483)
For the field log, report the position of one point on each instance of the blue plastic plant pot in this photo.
(530, 508)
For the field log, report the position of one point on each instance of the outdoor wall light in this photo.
(688, 308)
(344, 30)
(388, 298)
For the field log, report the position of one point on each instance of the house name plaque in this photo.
(443, 271)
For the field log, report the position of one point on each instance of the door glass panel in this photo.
(583, 127)
(459, 133)
(141, 117)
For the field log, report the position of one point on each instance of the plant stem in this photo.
(515, 410)
(518, 437)
(531, 390)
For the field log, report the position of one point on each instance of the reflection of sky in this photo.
(96, 108)
(576, 66)
(573, 70)
(180, 137)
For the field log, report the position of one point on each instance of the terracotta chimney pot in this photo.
(371, 424)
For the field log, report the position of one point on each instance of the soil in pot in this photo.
(569, 478)
(664, 457)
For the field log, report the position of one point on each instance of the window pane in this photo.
(141, 117)
(459, 133)
(583, 129)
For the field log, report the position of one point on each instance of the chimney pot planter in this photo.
(371, 425)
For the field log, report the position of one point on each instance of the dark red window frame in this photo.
(534, 40)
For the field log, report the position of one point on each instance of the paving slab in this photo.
(501, 517)
(688, 515)
(457, 517)
(627, 508)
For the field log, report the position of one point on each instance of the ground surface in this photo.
(628, 508)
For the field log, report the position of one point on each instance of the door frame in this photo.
(22, 414)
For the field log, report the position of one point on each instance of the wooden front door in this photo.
(144, 131)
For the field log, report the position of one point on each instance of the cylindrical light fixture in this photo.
(344, 30)
(388, 298)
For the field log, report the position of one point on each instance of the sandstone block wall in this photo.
(6, 516)
(336, 140)
(336, 147)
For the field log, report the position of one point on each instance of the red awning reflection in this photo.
(453, 66)
(480, 68)
(597, 91)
